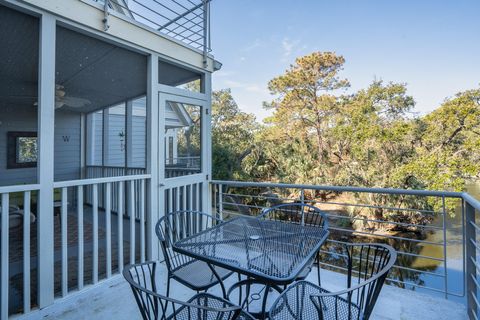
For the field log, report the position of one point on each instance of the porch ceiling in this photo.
(19, 34)
(87, 68)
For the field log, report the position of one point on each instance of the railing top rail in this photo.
(19, 188)
(84, 182)
(115, 167)
(427, 193)
(185, 22)
(471, 200)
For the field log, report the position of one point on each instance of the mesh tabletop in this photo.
(267, 250)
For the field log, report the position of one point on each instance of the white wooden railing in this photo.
(185, 193)
(6, 193)
(99, 240)
(95, 172)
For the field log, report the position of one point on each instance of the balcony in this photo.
(434, 276)
(185, 21)
(113, 299)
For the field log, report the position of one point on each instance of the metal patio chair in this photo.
(153, 305)
(299, 213)
(367, 266)
(195, 274)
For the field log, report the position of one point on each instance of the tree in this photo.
(232, 136)
(317, 134)
(305, 107)
(447, 145)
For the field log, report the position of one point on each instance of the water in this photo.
(455, 249)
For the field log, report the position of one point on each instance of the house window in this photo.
(22, 149)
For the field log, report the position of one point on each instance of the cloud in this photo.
(250, 87)
(289, 47)
(252, 46)
(223, 74)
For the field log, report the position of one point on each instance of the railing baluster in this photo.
(190, 197)
(184, 198)
(80, 236)
(26, 251)
(95, 232)
(471, 252)
(171, 200)
(131, 209)
(63, 231)
(4, 257)
(120, 225)
(199, 197)
(220, 200)
(108, 222)
(445, 269)
(142, 220)
(177, 198)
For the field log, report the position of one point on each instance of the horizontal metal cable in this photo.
(339, 203)
(399, 252)
(398, 281)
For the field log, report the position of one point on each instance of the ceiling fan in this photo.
(61, 99)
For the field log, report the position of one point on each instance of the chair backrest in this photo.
(367, 268)
(153, 305)
(296, 212)
(179, 225)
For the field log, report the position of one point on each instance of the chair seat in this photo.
(211, 301)
(198, 276)
(295, 303)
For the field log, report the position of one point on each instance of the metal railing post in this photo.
(220, 201)
(445, 268)
(106, 26)
(302, 199)
(205, 33)
(471, 257)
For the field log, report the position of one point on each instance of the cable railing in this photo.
(187, 21)
(434, 232)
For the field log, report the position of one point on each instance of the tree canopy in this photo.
(321, 133)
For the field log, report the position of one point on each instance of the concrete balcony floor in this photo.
(113, 299)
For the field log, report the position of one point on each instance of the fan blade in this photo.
(74, 102)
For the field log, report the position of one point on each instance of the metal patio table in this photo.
(272, 252)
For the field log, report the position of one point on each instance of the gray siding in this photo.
(67, 144)
(116, 152)
(139, 142)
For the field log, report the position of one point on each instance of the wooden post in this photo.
(46, 125)
(152, 212)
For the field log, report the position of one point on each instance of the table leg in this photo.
(224, 291)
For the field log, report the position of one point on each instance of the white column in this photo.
(129, 134)
(82, 146)
(90, 137)
(46, 123)
(153, 192)
(106, 137)
(207, 143)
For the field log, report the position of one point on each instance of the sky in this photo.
(431, 45)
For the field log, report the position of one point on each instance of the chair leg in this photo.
(168, 287)
(318, 270)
